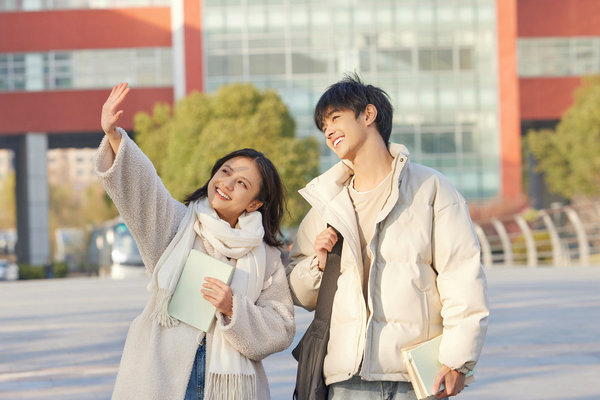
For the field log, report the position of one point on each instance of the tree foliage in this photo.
(569, 156)
(184, 142)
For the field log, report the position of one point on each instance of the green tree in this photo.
(569, 156)
(185, 141)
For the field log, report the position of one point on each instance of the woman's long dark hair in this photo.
(271, 193)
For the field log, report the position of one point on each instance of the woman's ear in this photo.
(254, 205)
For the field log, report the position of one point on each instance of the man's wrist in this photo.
(463, 370)
(466, 368)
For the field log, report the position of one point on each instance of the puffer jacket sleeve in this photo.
(145, 205)
(259, 329)
(461, 280)
(303, 272)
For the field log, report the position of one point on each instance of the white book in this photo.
(422, 363)
(187, 303)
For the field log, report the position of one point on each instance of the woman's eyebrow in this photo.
(248, 181)
(241, 176)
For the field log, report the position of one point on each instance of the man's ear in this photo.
(254, 205)
(370, 114)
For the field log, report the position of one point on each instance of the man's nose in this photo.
(329, 131)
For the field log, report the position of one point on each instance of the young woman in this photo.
(235, 218)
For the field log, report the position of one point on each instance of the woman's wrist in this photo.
(114, 138)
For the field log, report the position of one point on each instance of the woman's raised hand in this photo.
(111, 114)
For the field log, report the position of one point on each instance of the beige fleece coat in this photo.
(157, 361)
(425, 276)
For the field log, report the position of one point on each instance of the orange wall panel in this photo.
(508, 85)
(84, 29)
(70, 111)
(561, 18)
(546, 98)
(192, 14)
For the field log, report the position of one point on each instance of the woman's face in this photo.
(234, 189)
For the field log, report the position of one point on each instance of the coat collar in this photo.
(329, 184)
(328, 194)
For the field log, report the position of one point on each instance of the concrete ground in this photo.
(62, 339)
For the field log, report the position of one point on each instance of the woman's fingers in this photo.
(218, 297)
(110, 112)
(218, 294)
(121, 93)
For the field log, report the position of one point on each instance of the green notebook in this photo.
(422, 364)
(187, 303)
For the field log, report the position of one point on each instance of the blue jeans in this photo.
(356, 388)
(195, 388)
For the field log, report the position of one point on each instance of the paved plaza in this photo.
(62, 339)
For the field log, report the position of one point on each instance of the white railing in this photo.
(558, 236)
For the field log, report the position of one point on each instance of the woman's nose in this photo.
(230, 183)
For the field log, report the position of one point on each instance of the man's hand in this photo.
(111, 114)
(323, 244)
(454, 382)
(219, 295)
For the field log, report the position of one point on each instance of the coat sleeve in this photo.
(145, 205)
(460, 281)
(303, 271)
(259, 329)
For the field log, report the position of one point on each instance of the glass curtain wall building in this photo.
(437, 59)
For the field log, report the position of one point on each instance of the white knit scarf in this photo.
(230, 375)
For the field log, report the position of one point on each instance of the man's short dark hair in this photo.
(352, 94)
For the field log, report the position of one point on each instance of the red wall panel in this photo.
(85, 29)
(546, 98)
(70, 111)
(192, 12)
(547, 18)
(508, 84)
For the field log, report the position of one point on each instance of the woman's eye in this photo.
(225, 171)
(243, 184)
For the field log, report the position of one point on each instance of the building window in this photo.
(307, 64)
(435, 59)
(85, 69)
(267, 64)
(550, 57)
(20, 5)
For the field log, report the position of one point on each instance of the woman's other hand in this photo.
(111, 114)
(219, 295)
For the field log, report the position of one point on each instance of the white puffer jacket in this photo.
(425, 276)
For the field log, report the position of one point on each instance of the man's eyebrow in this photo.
(331, 111)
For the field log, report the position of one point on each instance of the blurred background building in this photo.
(461, 99)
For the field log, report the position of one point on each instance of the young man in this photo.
(410, 265)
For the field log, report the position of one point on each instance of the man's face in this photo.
(344, 133)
